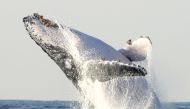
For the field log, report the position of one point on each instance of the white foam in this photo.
(119, 93)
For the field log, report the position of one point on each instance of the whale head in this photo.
(46, 34)
(137, 50)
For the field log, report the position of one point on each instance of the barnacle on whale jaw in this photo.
(45, 22)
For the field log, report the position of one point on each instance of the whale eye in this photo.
(129, 42)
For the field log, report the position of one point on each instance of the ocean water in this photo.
(29, 104)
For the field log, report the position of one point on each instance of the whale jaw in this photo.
(37, 31)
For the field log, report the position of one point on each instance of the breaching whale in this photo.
(81, 56)
(71, 49)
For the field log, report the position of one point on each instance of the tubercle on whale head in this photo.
(45, 22)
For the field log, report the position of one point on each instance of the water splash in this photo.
(119, 93)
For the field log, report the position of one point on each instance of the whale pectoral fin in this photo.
(107, 70)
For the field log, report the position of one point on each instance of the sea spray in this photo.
(121, 92)
(118, 93)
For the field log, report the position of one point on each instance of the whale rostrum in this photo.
(74, 51)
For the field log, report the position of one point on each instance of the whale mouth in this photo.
(45, 22)
(49, 36)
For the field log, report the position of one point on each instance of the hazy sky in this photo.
(26, 72)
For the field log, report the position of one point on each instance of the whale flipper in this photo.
(106, 70)
(71, 50)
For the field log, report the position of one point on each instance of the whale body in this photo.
(70, 49)
(82, 57)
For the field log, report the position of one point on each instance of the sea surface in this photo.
(29, 104)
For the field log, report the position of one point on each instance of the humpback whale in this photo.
(70, 49)
(82, 57)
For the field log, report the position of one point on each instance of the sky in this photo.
(26, 72)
